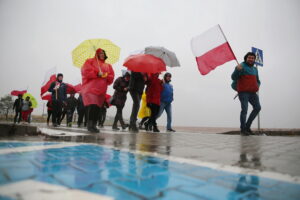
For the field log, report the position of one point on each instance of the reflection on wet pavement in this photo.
(125, 175)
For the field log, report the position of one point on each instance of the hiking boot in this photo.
(115, 128)
(170, 130)
(133, 129)
(155, 129)
(244, 133)
(125, 126)
(249, 131)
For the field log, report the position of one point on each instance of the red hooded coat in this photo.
(154, 89)
(94, 87)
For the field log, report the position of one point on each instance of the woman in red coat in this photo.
(154, 88)
(96, 76)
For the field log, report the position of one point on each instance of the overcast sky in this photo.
(37, 35)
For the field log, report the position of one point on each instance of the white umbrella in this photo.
(166, 55)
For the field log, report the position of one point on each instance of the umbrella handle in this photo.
(98, 64)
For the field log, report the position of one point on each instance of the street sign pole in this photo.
(259, 61)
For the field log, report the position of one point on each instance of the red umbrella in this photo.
(17, 92)
(47, 97)
(145, 63)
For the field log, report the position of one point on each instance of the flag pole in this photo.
(228, 44)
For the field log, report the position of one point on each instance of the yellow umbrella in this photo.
(87, 49)
(32, 99)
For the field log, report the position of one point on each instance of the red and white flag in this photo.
(211, 50)
(50, 77)
(17, 92)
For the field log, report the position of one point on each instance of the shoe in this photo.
(244, 133)
(91, 127)
(155, 129)
(133, 129)
(249, 131)
(115, 128)
(69, 124)
(125, 126)
(55, 125)
(170, 130)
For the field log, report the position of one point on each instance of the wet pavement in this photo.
(120, 165)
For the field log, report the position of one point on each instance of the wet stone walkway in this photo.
(120, 165)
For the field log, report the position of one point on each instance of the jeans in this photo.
(168, 108)
(136, 98)
(253, 99)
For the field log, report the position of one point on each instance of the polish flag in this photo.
(17, 92)
(211, 50)
(47, 96)
(50, 77)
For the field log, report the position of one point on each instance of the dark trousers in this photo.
(81, 116)
(70, 113)
(49, 115)
(92, 113)
(145, 119)
(119, 117)
(56, 111)
(136, 98)
(154, 111)
(253, 99)
(102, 116)
(63, 114)
(18, 116)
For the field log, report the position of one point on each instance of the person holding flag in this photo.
(59, 97)
(246, 82)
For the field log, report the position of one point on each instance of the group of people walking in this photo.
(23, 109)
(97, 75)
(156, 95)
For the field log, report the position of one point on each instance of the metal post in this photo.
(258, 116)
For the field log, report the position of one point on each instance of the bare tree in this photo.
(6, 105)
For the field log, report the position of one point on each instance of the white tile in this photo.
(35, 190)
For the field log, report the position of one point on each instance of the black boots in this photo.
(155, 129)
(91, 126)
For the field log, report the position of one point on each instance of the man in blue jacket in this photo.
(166, 99)
(246, 82)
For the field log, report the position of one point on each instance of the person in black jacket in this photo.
(136, 88)
(70, 108)
(18, 108)
(119, 98)
(59, 97)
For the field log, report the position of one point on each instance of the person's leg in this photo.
(136, 98)
(96, 112)
(161, 109)
(80, 117)
(19, 116)
(54, 113)
(243, 97)
(48, 116)
(168, 109)
(61, 112)
(254, 101)
(155, 112)
(104, 111)
(115, 124)
(16, 116)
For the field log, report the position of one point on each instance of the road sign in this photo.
(259, 56)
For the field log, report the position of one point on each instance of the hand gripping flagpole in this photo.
(231, 51)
